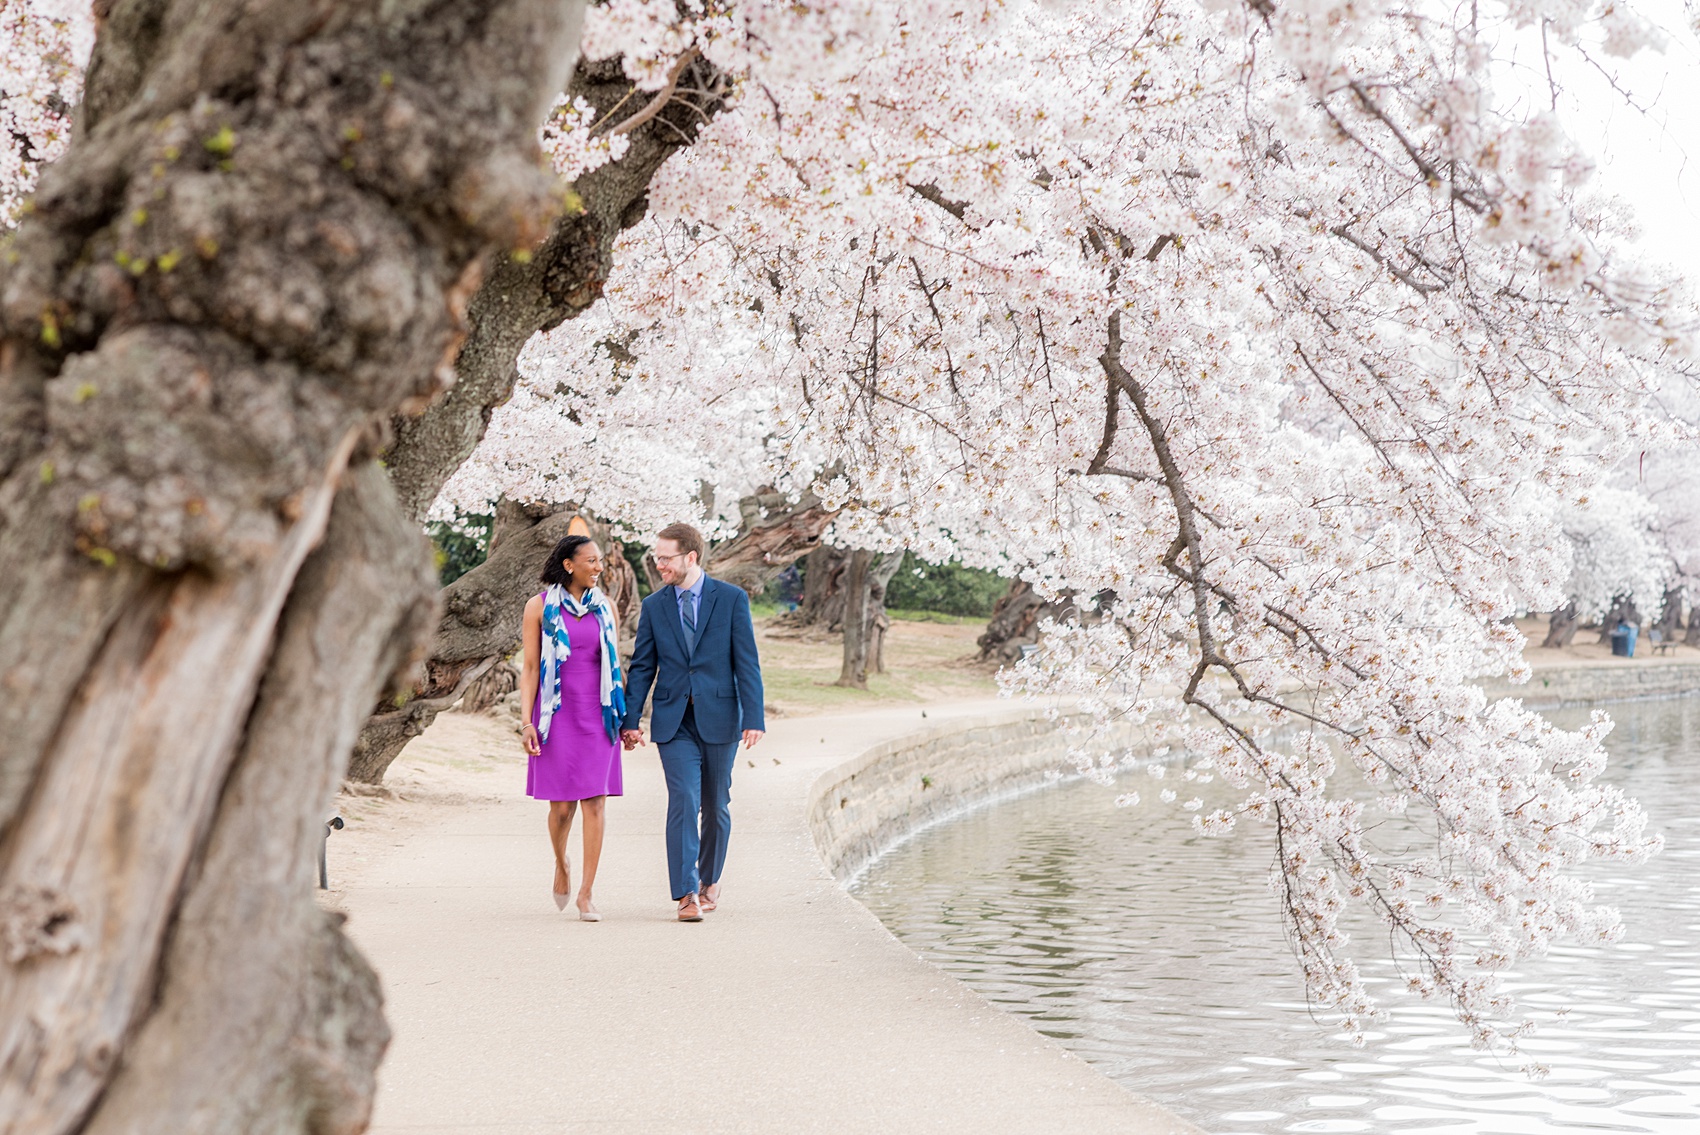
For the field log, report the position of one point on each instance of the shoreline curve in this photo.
(862, 808)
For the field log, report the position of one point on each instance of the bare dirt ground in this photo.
(1586, 650)
(463, 758)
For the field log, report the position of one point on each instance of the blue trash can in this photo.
(1623, 640)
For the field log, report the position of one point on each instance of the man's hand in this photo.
(631, 738)
(751, 736)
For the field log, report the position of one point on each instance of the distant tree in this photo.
(948, 588)
(461, 543)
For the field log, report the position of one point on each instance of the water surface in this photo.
(1157, 954)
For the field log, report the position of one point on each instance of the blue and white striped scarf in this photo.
(557, 646)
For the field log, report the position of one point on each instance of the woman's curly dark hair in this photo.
(553, 572)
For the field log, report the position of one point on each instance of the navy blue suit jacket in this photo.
(720, 678)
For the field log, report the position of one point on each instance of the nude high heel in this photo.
(560, 899)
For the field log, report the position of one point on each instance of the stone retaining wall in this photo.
(863, 807)
(1605, 682)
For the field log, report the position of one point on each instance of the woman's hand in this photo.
(533, 746)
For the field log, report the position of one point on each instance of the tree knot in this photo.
(37, 920)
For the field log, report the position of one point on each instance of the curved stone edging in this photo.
(863, 807)
(860, 809)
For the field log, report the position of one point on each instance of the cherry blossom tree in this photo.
(1616, 553)
(1274, 327)
(1632, 544)
(1277, 327)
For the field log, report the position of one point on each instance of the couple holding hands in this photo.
(696, 649)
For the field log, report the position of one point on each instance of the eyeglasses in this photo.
(674, 556)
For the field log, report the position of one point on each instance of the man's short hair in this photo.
(687, 538)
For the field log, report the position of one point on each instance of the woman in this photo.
(572, 701)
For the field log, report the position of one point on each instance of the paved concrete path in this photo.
(790, 1010)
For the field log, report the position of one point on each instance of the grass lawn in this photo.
(925, 661)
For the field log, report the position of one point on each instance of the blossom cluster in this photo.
(44, 46)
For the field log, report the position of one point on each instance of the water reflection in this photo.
(1150, 951)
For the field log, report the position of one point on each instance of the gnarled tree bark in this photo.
(1670, 613)
(844, 593)
(853, 672)
(775, 532)
(822, 602)
(268, 1020)
(257, 250)
(864, 621)
(1015, 622)
(1018, 614)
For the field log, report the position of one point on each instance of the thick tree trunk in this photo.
(879, 622)
(1561, 626)
(826, 590)
(1670, 613)
(1623, 610)
(775, 532)
(1019, 613)
(257, 250)
(865, 578)
(822, 602)
(268, 1020)
(854, 672)
(497, 683)
(558, 282)
(1014, 623)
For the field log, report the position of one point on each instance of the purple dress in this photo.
(578, 760)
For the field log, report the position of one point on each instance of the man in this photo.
(697, 646)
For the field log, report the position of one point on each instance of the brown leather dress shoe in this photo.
(689, 911)
(705, 902)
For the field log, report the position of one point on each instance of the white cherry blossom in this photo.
(44, 45)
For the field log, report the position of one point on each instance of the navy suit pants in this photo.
(699, 790)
